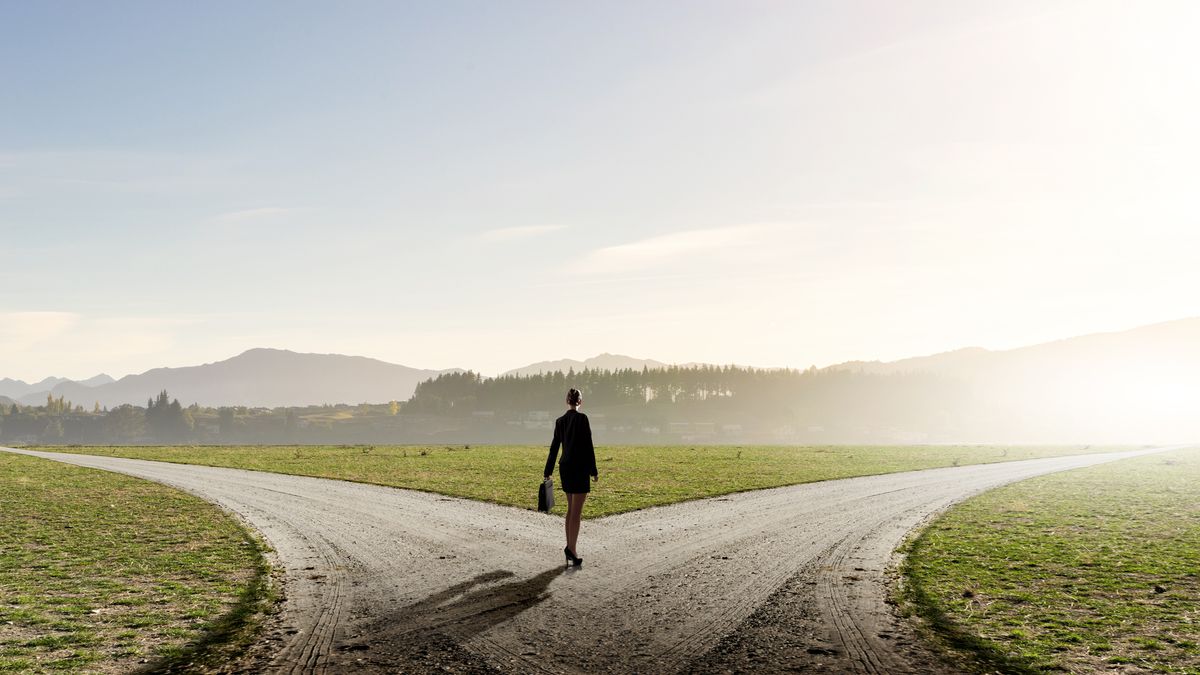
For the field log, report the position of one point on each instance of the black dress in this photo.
(573, 432)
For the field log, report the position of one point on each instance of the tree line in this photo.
(163, 420)
(763, 403)
(673, 404)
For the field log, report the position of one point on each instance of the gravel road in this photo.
(385, 580)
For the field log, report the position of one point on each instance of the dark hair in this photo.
(574, 397)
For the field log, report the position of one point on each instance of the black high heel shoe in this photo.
(572, 561)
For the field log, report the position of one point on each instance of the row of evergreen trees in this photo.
(469, 391)
(713, 393)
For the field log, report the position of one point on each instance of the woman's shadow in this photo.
(430, 631)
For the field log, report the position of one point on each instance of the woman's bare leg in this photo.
(574, 515)
(570, 516)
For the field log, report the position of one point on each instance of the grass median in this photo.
(101, 572)
(1089, 570)
(631, 477)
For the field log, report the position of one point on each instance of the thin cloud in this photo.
(522, 232)
(669, 249)
(25, 330)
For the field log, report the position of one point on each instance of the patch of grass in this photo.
(631, 477)
(101, 572)
(1087, 570)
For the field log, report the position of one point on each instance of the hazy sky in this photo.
(484, 185)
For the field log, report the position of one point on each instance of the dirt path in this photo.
(379, 579)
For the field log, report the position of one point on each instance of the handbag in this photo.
(546, 495)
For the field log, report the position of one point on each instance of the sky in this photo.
(486, 185)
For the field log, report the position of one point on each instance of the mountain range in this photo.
(1169, 346)
(1160, 355)
(10, 388)
(256, 378)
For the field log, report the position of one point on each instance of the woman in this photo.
(574, 434)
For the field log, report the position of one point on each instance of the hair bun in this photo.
(573, 396)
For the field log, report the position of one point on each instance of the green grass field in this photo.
(1088, 570)
(631, 477)
(105, 573)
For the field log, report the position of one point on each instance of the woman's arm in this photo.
(553, 451)
(591, 449)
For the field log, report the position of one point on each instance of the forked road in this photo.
(380, 579)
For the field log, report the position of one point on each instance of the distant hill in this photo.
(18, 388)
(6, 401)
(957, 362)
(1139, 383)
(1169, 346)
(257, 378)
(601, 362)
(97, 380)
